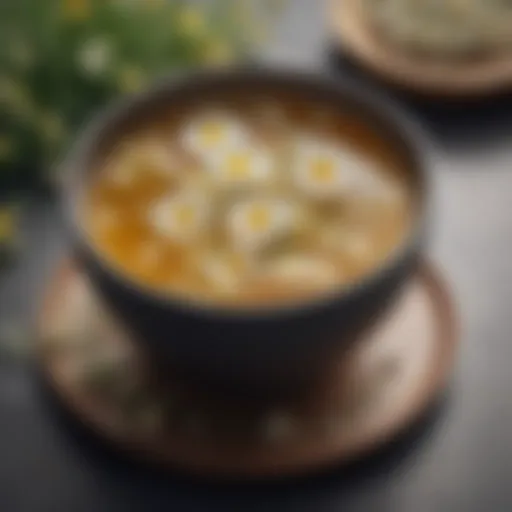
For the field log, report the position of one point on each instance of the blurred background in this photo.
(61, 61)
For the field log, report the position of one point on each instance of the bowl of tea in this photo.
(245, 225)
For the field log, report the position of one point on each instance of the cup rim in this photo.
(414, 138)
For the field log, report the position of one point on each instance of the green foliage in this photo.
(60, 60)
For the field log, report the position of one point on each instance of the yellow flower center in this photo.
(259, 219)
(323, 170)
(185, 215)
(211, 134)
(238, 166)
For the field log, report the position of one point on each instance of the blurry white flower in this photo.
(95, 56)
(219, 272)
(305, 270)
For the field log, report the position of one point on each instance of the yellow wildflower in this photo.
(77, 9)
(218, 52)
(7, 224)
(192, 21)
(130, 79)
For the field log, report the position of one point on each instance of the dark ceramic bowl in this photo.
(262, 349)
